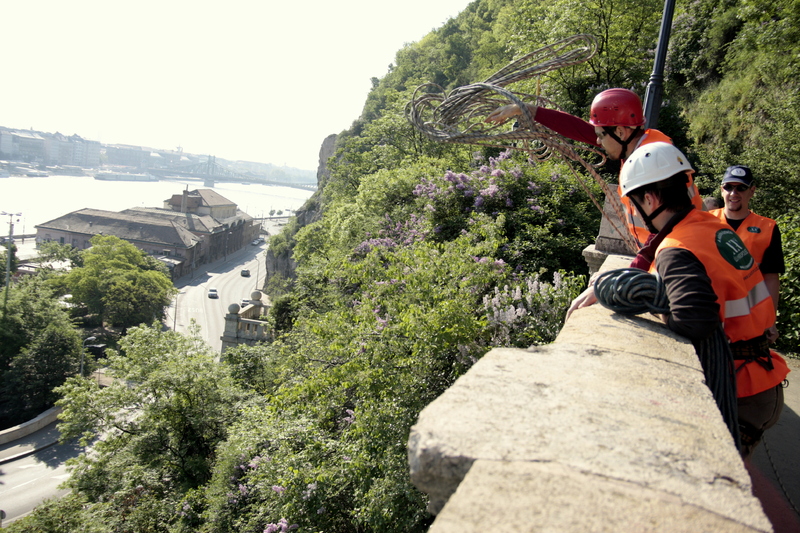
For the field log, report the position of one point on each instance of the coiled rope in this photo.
(458, 117)
(632, 291)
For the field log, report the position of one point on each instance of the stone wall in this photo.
(609, 428)
(31, 426)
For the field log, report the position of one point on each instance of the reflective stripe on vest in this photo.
(746, 308)
(742, 306)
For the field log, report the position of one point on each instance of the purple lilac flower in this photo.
(310, 488)
(278, 489)
(281, 527)
(491, 191)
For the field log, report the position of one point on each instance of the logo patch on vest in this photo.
(732, 249)
(753, 229)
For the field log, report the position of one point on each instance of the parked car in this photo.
(245, 273)
(212, 293)
(255, 242)
(245, 302)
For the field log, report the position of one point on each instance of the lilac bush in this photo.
(531, 312)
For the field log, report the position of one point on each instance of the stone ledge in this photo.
(616, 407)
(550, 497)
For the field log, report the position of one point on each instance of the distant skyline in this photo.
(243, 79)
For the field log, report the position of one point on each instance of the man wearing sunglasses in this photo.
(760, 234)
(760, 401)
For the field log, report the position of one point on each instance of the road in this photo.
(29, 480)
(224, 275)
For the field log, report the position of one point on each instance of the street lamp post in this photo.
(83, 350)
(652, 101)
(8, 255)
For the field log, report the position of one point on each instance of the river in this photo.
(43, 199)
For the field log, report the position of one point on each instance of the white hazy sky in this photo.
(240, 79)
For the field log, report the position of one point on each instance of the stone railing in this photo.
(31, 426)
(609, 428)
(243, 324)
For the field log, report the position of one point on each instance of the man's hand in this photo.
(503, 114)
(772, 334)
(584, 299)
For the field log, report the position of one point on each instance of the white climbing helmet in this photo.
(651, 163)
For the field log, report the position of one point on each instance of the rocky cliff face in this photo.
(325, 152)
(282, 263)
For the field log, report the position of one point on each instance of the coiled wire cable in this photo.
(631, 291)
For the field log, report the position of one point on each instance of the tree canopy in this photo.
(120, 283)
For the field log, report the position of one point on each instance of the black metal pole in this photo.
(655, 88)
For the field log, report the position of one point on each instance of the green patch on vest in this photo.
(732, 249)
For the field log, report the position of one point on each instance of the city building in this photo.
(209, 228)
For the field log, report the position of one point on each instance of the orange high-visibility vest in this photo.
(632, 219)
(746, 308)
(755, 231)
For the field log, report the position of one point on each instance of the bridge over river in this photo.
(211, 172)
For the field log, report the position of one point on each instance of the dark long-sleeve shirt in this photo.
(693, 305)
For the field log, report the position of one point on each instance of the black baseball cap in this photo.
(738, 174)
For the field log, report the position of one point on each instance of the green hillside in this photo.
(422, 257)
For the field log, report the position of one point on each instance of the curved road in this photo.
(31, 471)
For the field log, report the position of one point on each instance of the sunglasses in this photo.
(739, 188)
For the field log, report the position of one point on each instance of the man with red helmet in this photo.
(615, 125)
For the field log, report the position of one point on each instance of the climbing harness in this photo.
(458, 117)
(632, 291)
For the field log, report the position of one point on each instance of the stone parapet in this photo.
(610, 428)
(31, 426)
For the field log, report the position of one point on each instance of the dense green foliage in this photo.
(120, 283)
(425, 256)
(39, 349)
(5, 264)
(789, 306)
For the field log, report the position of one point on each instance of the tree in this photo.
(37, 338)
(120, 283)
(158, 423)
(51, 358)
(626, 32)
(4, 262)
(55, 251)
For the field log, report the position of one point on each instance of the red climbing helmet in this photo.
(616, 107)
